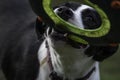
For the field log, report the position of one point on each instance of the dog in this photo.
(39, 52)
(71, 60)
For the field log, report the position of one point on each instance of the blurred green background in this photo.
(109, 69)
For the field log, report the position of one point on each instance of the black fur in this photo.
(100, 53)
(91, 19)
(72, 5)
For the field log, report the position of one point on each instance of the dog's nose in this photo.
(65, 12)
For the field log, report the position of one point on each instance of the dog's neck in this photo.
(66, 61)
(75, 63)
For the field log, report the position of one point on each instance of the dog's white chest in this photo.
(67, 61)
(75, 62)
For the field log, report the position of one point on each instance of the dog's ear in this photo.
(105, 52)
(101, 53)
(40, 27)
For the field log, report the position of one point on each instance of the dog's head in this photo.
(80, 15)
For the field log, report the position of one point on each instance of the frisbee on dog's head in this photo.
(101, 35)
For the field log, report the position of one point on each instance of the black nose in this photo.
(65, 12)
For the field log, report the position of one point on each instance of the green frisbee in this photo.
(96, 36)
(101, 31)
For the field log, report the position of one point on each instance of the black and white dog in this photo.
(64, 59)
(50, 55)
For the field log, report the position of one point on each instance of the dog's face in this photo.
(82, 16)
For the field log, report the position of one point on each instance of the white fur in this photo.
(75, 63)
(44, 70)
(70, 62)
(77, 18)
(95, 75)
